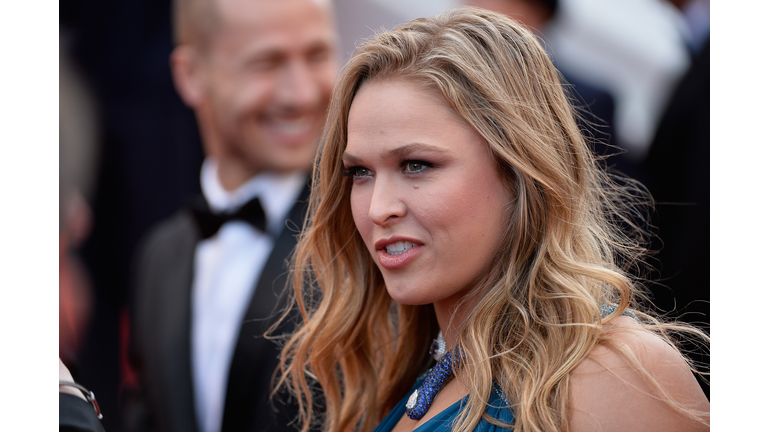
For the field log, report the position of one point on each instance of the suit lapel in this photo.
(256, 358)
(180, 359)
(165, 309)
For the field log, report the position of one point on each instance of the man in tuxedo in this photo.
(258, 75)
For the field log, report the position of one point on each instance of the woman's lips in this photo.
(394, 262)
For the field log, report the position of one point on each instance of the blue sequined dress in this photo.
(498, 407)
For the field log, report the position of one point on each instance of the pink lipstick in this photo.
(399, 260)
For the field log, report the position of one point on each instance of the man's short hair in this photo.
(194, 21)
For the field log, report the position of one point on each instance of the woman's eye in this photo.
(362, 172)
(415, 166)
(357, 172)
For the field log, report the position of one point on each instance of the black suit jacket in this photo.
(77, 415)
(160, 335)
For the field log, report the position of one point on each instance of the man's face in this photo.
(267, 77)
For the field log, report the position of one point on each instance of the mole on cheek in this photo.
(415, 186)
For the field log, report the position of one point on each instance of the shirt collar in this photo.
(277, 193)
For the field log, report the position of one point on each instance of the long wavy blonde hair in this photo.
(565, 251)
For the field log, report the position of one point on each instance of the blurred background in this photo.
(130, 154)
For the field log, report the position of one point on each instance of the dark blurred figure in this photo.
(77, 156)
(258, 75)
(77, 168)
(149, 160)
(678, 167)
(596, 106)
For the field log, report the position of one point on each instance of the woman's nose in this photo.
(387, 205)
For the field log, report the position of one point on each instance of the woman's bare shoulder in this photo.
(610, 392)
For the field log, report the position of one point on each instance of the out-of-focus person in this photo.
(258, 75)
(678, 178)
(635, 49)
(594, 104)
(77, 159)
(149, 158)
(77, 155)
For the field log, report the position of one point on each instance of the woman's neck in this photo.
(451, 314)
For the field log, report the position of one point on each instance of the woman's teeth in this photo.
(398, 248)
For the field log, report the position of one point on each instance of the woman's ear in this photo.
(188, 75)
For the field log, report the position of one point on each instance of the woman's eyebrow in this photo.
(396, 153)
(350, 159)
(413, 147)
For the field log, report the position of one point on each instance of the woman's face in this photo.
(426, 196)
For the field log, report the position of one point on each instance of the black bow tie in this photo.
(209, 223)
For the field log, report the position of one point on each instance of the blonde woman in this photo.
(457, 212)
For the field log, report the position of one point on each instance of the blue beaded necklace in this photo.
(436, 378)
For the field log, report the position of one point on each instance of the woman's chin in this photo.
(407, 295)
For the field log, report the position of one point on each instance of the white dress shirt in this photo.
(227, 267)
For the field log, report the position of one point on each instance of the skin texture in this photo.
(261, 87)
(609, 394)
(422, 173)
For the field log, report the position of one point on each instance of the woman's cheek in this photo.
(360, 203)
